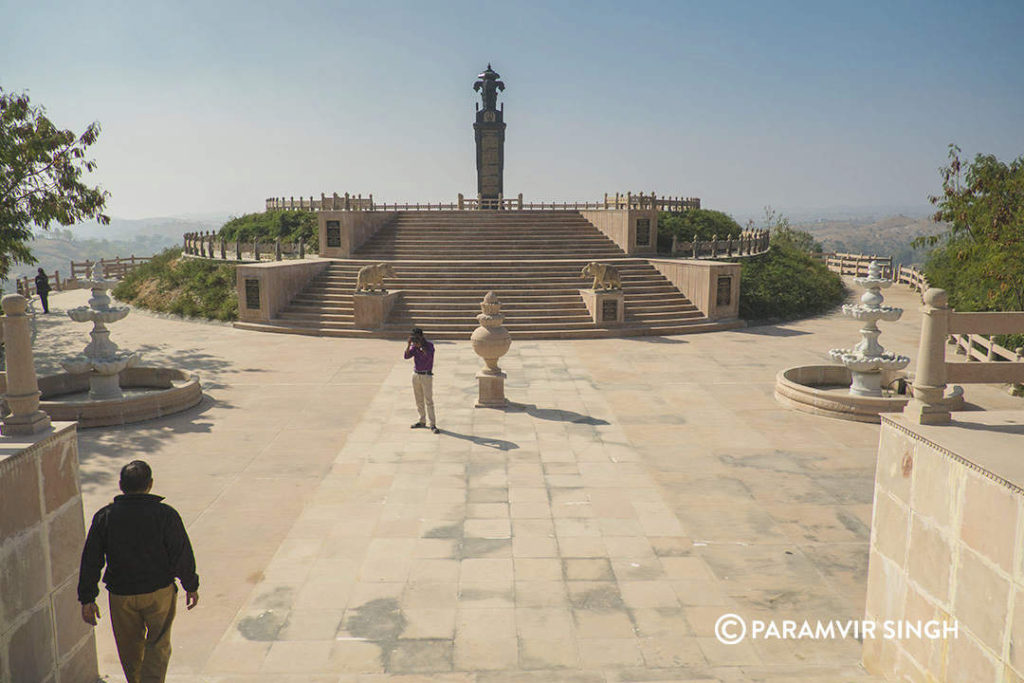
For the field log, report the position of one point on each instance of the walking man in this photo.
(144, 545)
(422, 353)
(43, 289)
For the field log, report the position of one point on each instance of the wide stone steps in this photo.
(460, 235)
(445, 262)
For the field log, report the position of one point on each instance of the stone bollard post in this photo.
(696, 246)
(930, 379)
(223, 249)
(22, 387)
(255, 250)
(238, 249)
(202, 245)
(302, 247)
(277, 249)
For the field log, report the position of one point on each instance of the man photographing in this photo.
(144, 545)
(422, 353)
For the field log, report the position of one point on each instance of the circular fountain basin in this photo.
(825, 390)
(148, 393)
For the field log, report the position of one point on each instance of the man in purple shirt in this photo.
(422, 353)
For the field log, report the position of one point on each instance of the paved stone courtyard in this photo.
(635, 491)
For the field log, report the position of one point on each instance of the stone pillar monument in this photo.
(490, 141)
(491, 341)
(22, 387)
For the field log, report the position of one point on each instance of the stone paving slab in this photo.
(633, 492)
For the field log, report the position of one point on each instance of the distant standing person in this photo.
(144, 545)
(422, 353)
(43, 289)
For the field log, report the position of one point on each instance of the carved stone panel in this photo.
(643, 232)
(333, 233)
(723, 296)
(610, 310)
(252, 293)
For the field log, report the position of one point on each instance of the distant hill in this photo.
(886, 236)
(56, 248)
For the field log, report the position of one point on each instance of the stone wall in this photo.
(42, 531)
(699, 281)
(354, 228)
(266, 288)
(620, 226)
(946, 544)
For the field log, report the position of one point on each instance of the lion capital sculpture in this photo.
(606, 276)
(371, 277)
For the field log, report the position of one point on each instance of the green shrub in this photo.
(704, 223)
(271, 225)
(786, 283)
(188, 287)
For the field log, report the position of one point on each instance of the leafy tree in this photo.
(270, 225)
(786, 282)
(40, 177)
(980, 261)
(704, 223)
(782, 233)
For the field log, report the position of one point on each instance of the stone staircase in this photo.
(476, 235)
(445, 262)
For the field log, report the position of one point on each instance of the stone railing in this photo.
(212, 246)
(349, 202)
(115, 268)
(933, 372)
(748, 243)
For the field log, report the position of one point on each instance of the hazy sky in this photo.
(213, 106)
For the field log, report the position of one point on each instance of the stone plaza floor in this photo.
(634, 491)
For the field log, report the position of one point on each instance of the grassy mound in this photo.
(785, 284)
(187, 287)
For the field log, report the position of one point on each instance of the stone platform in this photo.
(637, 490)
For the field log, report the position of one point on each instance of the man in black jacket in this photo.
(43, 289)
(144, 545)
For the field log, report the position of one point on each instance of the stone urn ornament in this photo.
(491, 341)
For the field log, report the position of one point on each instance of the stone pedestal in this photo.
(372, 308)
(606, 306)
(22, 394)
(492, 389)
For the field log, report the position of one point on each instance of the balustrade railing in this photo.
(356, 202)
(113, 268)
(212, 246)
(748, 243)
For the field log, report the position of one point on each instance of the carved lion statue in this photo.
(605, 276)
(372, 277)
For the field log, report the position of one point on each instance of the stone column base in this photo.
(21, 425)
(606, 306)
(919, 412)
(372, 308)
(492, 390)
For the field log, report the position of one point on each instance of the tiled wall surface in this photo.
(43, 638)
(945, 545)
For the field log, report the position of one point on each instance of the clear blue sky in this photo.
(212, 106)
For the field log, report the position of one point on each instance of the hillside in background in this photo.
(55, 249)
(868, 235)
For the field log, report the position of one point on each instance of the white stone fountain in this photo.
(101, 358)
(867, 360)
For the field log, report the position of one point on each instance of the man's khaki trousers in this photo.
(142, 631)
(423, 390)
